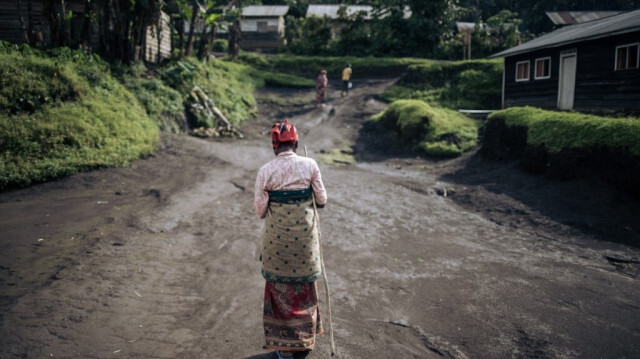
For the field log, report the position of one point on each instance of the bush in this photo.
(73, 116)
(162, 103)
(435, 131)
(228, 84)
(221, 45)
(556, 131)
(462, 84)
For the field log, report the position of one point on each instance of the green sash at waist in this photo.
(290, 196)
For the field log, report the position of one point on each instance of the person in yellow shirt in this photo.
(346, 78)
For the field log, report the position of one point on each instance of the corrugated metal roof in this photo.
(465, 26)
(331, 11)
(613, 25)
(578, 17)
(257, 10)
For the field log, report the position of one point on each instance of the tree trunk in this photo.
(181, 35)
(212, 40)
(192, 30)
(85, 36)
(23, 25)
(202, 44)
(159, 39)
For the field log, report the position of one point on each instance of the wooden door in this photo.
(567, 82)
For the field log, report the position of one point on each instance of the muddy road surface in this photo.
(426, 259)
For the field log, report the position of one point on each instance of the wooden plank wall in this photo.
(541, 93)
(10, 27)
(11, 30)
(153, 53)
(599, 88)
(598, 85)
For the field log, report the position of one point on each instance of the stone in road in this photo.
(160, 260)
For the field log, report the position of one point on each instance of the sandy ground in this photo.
(462, 258)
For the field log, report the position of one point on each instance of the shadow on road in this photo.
(508, 196)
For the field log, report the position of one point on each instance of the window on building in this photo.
(543, 68)
(522, 71)
(627, 57)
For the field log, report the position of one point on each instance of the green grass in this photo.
(162, 103)
(309, 66)
(435, 131)
(229, 85)
(64, 114)
(285, 80)
(564, 130)
(473, 84)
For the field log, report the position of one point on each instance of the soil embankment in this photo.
(614, 166)
(464, 258)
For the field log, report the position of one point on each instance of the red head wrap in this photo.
(283, 132)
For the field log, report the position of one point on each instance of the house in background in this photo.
(563, 18)
(590, 67)
(14, 21)
(263, 27)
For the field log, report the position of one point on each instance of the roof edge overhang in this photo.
(509, 53)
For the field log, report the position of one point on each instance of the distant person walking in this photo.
(321, 87)
(346, 79)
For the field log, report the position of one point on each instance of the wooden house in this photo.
(590, 67)
(263, 27)
(17, 22)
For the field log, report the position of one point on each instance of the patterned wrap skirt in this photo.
(291, 316)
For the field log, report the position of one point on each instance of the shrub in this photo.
(221, 45)
(556, 131)
(436, 131)
(228, 84)
(462, 84)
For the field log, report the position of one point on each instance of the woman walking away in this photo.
(290, 245)
(321, 87)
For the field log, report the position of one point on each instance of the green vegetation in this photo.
(436, 131)
(338, 156)
(462, 84)
(64, 114)
(162, 103)
(285, 80)
(309, 66)
(562, 130)
(229, 85)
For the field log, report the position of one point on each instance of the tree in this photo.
(429, 22)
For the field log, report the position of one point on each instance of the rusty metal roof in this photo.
(613, 25)
(266, 11)
(578, 17)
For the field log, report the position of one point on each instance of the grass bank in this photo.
(567, 145)
(63, 113)
(435, 131)
(555, 131)
(309, 66)
(473, 84)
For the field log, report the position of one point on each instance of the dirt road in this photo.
(426, 259)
